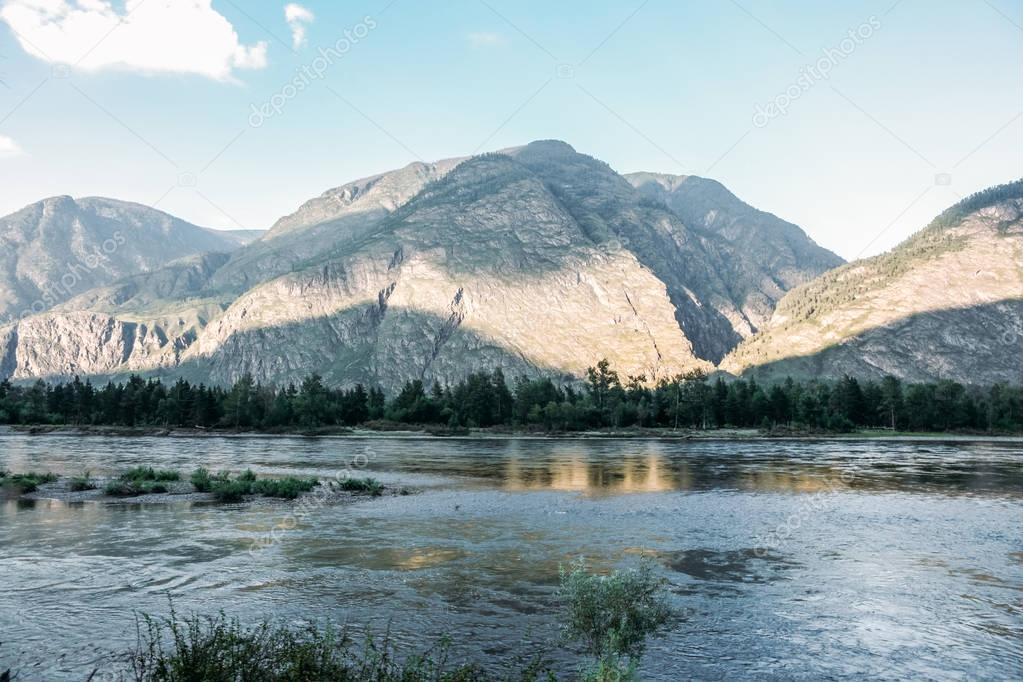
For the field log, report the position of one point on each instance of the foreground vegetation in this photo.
(485, 399)
(610, 617)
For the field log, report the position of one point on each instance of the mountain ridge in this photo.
(536, 258)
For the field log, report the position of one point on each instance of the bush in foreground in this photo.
(222, 650)
(612, 616)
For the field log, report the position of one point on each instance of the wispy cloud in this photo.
(184, 36)
(9, 148)
(485, 39)
(298, 18)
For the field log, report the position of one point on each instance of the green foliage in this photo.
(146, 473)
(203, 481)
(82, 483)
(613, 615)
(610, 669)
(134, 487)
(484, 399)
(362, 485)
(975, 202)
(287, 488)
(222, 650)
(232, 491)
(226, 489)
(26, 483)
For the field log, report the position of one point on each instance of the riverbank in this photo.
(398, 431)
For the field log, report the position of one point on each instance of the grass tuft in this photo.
(222, 650)
(27, 483)
(363, 485)
(81, 483)
(130, 488)
(288, 488)
(143, 473)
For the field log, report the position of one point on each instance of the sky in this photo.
(858, 121)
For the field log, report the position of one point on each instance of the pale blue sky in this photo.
(661, 85)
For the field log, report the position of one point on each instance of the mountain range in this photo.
(537, 259)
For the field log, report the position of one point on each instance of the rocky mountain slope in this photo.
(537, 259)
(60, 247)
(945, 304)
(765, 256)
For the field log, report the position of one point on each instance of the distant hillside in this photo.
(946, 303)
(61, 247)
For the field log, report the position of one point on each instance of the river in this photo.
(784, 559)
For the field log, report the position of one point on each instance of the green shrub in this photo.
(613, 615)
(610, 669)
(247, 475)
(231, 491)
(133, 488)
(27, 483)
(82, 483)
(121, 489)
(362, 485)
(143, 473)
(204, 482)
(222, 650)
(288, 488)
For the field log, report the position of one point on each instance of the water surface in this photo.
(785, 559)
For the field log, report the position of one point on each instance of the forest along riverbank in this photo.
(406, 431)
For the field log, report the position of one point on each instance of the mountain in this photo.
(765, 256)
(60, 247)
(537, 259)
(945, 304)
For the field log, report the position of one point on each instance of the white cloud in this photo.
(297, 17)
(149, 36)
(9, 148)
(485, 39)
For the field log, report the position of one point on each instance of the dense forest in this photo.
(486, 399)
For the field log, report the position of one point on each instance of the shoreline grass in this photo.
(26, 483)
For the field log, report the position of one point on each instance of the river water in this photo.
(784, 559)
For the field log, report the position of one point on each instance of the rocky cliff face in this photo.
(61, 247)
(762, 256)
(946, 304)
(537, 259)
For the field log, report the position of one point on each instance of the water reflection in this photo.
(575, 472)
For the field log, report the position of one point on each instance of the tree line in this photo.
(486, 399)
